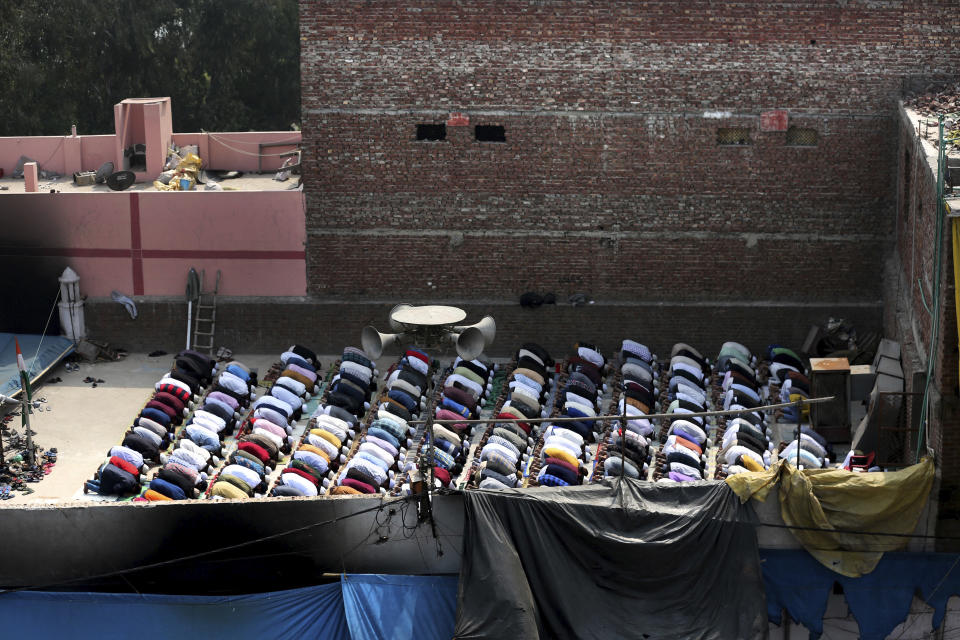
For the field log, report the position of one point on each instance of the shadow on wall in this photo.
(30, 288)
(29, 282)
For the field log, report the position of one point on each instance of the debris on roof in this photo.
(933, 102)
(930, 105)
(184, 175)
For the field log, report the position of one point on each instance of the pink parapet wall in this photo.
(143, 243)
(243, 151)
(149, 121)
(257, 238)
(231, 151)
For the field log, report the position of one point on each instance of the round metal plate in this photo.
(429, 316)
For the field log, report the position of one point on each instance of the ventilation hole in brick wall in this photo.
(733, 136)
(432, 132)
(801, 137)
(489, 133)
(813, 42)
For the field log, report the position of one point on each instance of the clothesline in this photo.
(631, 417)
(258, 154)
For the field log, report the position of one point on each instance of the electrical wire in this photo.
(727, 412)
(45, 327)
(216, 136)
(40, 165)
(405, 503)
(935, 294)
(256, 155)
(855, 532)
(926, 600)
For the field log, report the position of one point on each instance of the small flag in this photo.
(20, 363)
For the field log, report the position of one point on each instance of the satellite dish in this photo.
(121, 180)
(103, 172)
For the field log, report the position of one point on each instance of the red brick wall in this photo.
(593, 204)
(270, 325)
(619, 55)
(910, 322)
(610, 181)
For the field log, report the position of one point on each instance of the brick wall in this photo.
(610, 181)
(269, 325)
(619, 54)
(909, 321)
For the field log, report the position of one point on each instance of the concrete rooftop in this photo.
(83, 422)
(64, 184)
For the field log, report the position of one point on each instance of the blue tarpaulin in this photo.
(311, 612)
(360, 607)
(879, 601)
(384, 606)
(53, 349)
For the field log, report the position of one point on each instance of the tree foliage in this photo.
(227, 65)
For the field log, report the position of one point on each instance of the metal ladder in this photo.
(205, 322)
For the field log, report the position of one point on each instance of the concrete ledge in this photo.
(297, 540)
(269, 325)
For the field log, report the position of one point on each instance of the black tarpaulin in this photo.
(627, 559)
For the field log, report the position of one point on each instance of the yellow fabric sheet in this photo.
(823, 503)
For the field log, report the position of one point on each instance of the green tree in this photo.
(226, 65)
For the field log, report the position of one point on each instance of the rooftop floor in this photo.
(83, 421)
(65, 184)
